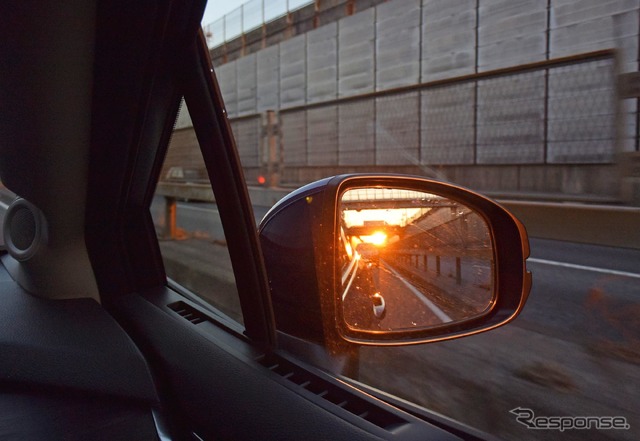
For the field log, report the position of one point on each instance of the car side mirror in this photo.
(392, 260)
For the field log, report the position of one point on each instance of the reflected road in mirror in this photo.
(411, 260)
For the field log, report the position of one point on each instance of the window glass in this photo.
(462, 93)
(188, 225)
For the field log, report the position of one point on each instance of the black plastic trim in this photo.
(213, 375)
(330, 392)
(204, 100)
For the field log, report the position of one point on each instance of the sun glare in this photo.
(378, 238)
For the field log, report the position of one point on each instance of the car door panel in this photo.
(225, 388)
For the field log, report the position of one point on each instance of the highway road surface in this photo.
(569, 279)
(407, 306)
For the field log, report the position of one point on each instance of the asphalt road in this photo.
(574, 285)
(582, 290)
(406, 306)
(580, 267)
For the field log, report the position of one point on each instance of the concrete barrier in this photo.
(583, 223)
(267, 197)
(186, 191)
(606, 225)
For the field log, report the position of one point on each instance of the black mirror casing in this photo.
(299, 235)
(290, 237)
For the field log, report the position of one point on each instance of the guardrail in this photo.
(583, 223)
(607, 225)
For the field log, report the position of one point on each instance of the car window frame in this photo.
(204, 101)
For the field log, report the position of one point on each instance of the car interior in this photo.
(96, 343)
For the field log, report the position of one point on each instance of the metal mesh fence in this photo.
(233, 26)
(556, 112)
(248, 132)
(510, 119)
(356, 133)
(447, 129)
(581, 103)
(322, 136)
(252, 15)
(247, 17)
(294, 138)
(559, 112)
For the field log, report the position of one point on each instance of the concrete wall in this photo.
(246, 85)
(293, 126)
(448, 39)
(586, 25)
(322, 64)
(293, 72)
(268, 79)
(227, 78)
(447, 128)
(510, 132)
(511, 32)
(356, 49)
(397, 44)
(247, 134)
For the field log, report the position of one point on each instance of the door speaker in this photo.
(23, 229)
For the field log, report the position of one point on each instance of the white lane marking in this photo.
(353, 276)
(584, 268)
(432, 306)
(206, 210)
(349, 268)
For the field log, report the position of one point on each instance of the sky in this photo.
(218, 8)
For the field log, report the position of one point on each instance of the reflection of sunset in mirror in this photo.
(412, 259)
(378, 238)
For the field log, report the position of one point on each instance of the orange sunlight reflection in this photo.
(378, 238)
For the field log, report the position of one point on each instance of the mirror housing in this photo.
(301, 242)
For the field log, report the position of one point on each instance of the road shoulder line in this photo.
(584, 268)
(432, 306)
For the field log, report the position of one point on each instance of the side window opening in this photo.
(192, 241)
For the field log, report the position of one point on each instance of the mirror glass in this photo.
(410, 259)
